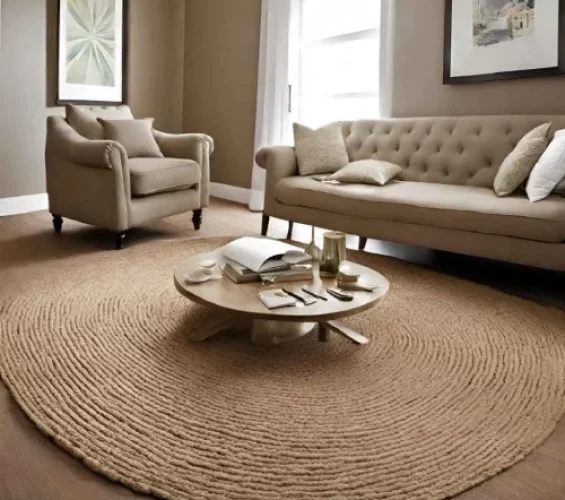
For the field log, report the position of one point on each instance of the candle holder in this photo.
(333, 254)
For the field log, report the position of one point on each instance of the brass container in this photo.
(333, 254)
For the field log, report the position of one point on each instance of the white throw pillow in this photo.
(549, 171)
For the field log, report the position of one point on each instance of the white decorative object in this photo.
(206, 270)
(549, 171)
(312, 249)
(273, 121)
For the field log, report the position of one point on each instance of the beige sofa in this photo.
(94, 181)
(444, 197)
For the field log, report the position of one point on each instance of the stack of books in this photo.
(257, 259)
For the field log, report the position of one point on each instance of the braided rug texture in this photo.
(458, 383)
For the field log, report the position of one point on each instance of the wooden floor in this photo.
(33, 468)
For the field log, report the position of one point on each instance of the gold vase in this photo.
(333, 254)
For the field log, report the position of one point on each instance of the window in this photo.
(335, 61)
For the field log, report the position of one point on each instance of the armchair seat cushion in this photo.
(157, 175)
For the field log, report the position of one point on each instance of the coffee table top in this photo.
(243, 299)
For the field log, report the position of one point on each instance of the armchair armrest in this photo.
(195, 147)
(65, 142)
(279, 162)
(189, 146)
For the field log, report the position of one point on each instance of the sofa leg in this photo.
(120, 239)
(57, 223)
(290, 229)
(197, 219)
(362, 243)
(265, 225)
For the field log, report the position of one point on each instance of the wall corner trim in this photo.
(231, 193)
(23, 204)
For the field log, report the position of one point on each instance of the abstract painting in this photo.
(91, 43)
(503, 39)
(92, 51)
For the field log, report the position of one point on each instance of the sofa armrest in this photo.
(65, 142)
(195, 147)
(279, 162)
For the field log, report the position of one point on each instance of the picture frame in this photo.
(489, 40)
(92, 69)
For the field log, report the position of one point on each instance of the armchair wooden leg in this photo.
(120, 238)
(362, 242)
(197, 219)
(290, 229)
(57, 223)
(265, 225)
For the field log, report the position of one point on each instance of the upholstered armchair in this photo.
(94, 181)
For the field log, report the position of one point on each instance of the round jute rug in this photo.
(458, 383)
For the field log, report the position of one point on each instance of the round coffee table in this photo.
(239, 307)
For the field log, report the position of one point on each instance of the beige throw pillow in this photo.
(517, 166)
(84, 123)
(367, 172)
(136, 136)
(320, 151)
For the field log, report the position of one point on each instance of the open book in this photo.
(262, 255)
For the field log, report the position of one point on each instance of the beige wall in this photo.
(221, 60)
(156, 55)
(28, 80)
(418, 72)
(22, 97)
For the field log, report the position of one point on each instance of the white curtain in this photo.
(273, 121)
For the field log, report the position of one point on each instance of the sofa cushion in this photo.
(467, 208)
(549, 171)
(320, 151)
(367, 172)
(156, 175)
(519, 163)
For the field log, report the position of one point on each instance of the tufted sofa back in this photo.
(452, 150)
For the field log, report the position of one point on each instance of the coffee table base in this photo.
(265, 332)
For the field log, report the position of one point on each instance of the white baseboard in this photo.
(256, 200)
(23, 204)
(231, 193)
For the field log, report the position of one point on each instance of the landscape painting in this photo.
(92, 54)
(500, 21)
(503, 39)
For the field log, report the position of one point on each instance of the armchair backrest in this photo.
(84, 119)
(122, 112)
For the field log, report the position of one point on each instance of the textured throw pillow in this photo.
(136, 136)
(84, 123)
(319, 151)
(367, 172)
(549, 170)
(519, 163)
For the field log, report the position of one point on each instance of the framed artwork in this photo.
(92, 51)
(503, 39)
